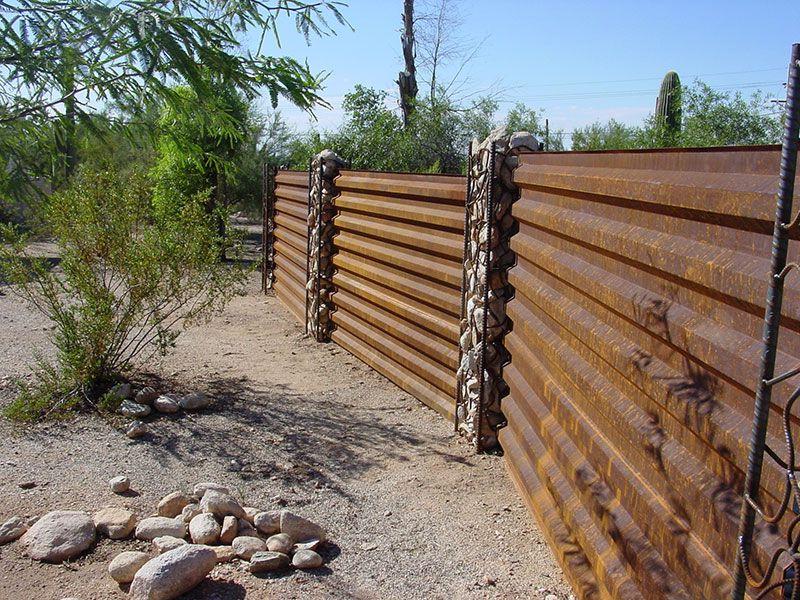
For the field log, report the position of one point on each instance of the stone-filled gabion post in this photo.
(487, 258)
(324, 169)
(268, 227)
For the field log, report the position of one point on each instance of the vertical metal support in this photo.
(308, 237)
(461, 322)
(772, 321)
(489, 218)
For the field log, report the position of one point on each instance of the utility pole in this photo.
(546, 135)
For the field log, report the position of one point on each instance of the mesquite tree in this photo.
(60, 60)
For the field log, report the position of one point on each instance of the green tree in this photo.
(523, 118)
(128, 282)
(709, 118)
(714, 118)
(612, 135)
(61, 59)
(198, 145)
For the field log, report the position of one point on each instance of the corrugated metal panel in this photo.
(640, 290)
(398, 262)
(291, 239)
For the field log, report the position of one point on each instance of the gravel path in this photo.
(413, 513)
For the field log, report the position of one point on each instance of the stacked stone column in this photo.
(268, 228)
(325, 168)
(487, 259)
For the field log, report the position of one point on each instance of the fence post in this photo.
(268, 227)
(323, 170)
(488, 227)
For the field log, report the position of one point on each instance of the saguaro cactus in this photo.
(668, 106)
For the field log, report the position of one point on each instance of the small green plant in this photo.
(126, 283)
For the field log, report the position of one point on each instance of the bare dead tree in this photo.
(407, 80)
(441, 48)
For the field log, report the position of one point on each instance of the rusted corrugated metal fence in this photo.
(639, 298)
(640, 289)
(291, 239)
(398, 278)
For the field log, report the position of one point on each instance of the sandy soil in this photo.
(413, 513)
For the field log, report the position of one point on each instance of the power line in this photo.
(633, 93)
(656, 78)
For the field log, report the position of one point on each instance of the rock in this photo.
(201, 488)
(250, 512)
(173, 573)
(245, 547)
(307, 545)
(204, 529)
(190, 511)
(152, 527)
(221, 504)
(26, 485)
(268, 522)
(129, 408)
(172, 504)
(523, 139)
(306, 559)
(230, 529)
(246, 529)
(125, 565)
(280, 542)
(146, 396)
(59, 535)
(165, 543)
(224, 553)
(120, 485)
(12, 530)
(123, 391)
(136, 429)
(114, 523)
(194, 401)
(166, 405)
(299, 528)
(262, 562)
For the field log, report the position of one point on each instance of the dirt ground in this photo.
(412, 512)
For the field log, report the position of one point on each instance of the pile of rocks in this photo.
(189, 534)
(146, 401)
(325, 169)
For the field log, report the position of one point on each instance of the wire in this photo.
(633, 93)
(657, 78)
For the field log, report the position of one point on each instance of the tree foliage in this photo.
(709, 118)
(62, 60)
(372, 135)
(127, 282)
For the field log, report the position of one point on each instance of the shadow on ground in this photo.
(315, 440)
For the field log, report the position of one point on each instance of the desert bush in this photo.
(126, 284)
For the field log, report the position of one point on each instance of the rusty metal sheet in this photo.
(640, 285)
(398, 258)
(291, 234)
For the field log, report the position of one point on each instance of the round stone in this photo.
(124, 566)
(262, 562)
(306, 559)
(120, 484)
(245, 547)
(59, 535)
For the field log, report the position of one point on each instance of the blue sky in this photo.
(579, 61)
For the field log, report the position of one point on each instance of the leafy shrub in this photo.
(126, 283)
